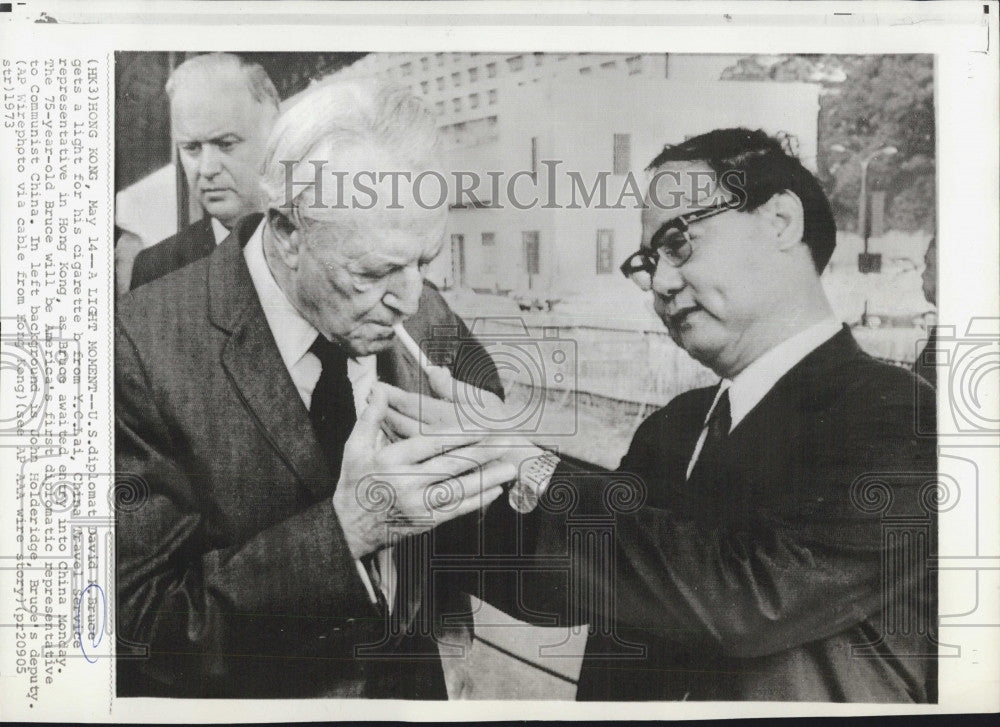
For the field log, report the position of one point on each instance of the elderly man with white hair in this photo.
(276, 535)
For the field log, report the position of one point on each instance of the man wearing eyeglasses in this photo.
(750, 560)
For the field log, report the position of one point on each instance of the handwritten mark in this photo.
(95, 636)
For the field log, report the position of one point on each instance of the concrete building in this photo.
(543, 132)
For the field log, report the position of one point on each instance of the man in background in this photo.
(222, 109)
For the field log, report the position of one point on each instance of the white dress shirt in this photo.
(294, 335)
(752, 384)
(219, 230)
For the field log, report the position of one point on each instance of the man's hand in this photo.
(412, 485)
(411, 414)
(414, 416)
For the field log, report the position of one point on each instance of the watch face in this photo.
(522, 498)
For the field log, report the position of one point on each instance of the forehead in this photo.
(372, 242)
(208, 108)
(675, 189)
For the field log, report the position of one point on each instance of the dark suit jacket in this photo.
(927, 360)
(194, 242)
(769, 585)
(232, 568)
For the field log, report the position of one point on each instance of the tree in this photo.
(866, 103)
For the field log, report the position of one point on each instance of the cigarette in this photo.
(413, 348)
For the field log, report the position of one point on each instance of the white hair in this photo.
(336, 124)
(206, 66)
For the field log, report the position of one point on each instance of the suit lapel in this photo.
(764, 450)
(202, 241)
(397, 367)
(253, 363)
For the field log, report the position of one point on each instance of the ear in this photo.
(286, 237)
(783, 213)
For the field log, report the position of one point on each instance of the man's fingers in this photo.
(474, 484)
(441, 382)
(464, 459)
(439, 486)
(472, 504)
(402, 426)
(410, 404)
(417, 449)
(370, 421)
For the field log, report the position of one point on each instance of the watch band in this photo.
(532, 481)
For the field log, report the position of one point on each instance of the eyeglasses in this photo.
(671, 242)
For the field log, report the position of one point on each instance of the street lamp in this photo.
(867, 263)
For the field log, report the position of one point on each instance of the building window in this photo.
(489, 253)
(609, 65)
(471, 133)
(622, 154)
(439, 107)
(456, 104)
(458, 260)
(407, 69)
(474, 101)
(586, 71)
(605, 252)
(491, 70)
(473, 75)
(425, 63)
(532, 261)
(634, 64)
(492, 96)
(456, 79)
(424, 87)
(515, 63)
(440, 83)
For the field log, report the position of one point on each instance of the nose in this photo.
(210, 161)
(403, 292)
(667, 280)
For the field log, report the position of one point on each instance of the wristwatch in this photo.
(532, 480)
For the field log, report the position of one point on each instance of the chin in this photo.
(369, 347)
(701, 348)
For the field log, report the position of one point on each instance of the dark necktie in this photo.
(331, 410)
(710, 459)
(333, 416)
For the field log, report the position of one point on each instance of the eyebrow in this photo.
(655, 242)
(227, 137)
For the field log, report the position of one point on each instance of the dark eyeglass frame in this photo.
(646, 260)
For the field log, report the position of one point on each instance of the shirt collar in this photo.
(292, 333)
(752, 384)
(219, 230)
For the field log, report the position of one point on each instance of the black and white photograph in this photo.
(478, 361)
(526, 376)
